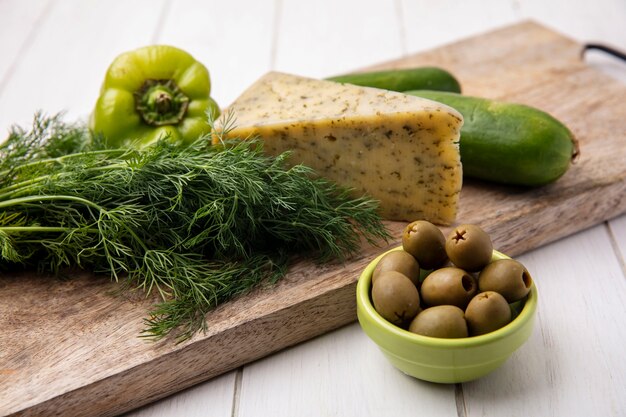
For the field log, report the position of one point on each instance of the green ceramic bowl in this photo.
(443, 360)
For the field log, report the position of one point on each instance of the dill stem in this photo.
(29, 199)
(60, 159)
(9, 191)
(286, 223)
(18, 187)
(183, 222)
(37, 198)
(43, 229)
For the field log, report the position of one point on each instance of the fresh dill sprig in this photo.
(197, 224)
(49, 137)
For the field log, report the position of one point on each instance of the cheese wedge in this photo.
(399, 149)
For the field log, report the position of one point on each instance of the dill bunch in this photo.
(198, 224)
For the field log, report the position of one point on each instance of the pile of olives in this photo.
(465, 294)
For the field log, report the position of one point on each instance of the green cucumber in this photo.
(421, 78)
(509, 143)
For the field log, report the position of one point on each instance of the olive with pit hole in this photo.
(449, 285)
(469, 247)
(440, 321)
(399, 261)
(486, 312)
(395, 297)
(507, 277)
(426, 243)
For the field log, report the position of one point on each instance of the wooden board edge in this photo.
(112, 391)
(179, 370)
(257, 338)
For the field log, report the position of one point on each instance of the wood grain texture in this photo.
(312, 33)
(573, 364)
(574, 342)
(66, 74)
(428, 27)
(340, 374)
(617, 228)
(236, 58)
(20, 21)
(82, 356)
(214, 398)
(584, 21)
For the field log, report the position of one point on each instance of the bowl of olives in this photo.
(456, 321)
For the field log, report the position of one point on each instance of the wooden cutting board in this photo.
(72, 347)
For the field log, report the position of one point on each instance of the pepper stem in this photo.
(161, 102)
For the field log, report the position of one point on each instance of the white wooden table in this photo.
(53, 55)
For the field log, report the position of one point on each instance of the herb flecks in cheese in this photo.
(399, 149)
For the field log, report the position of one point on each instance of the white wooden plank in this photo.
(617, 229)
(327, 37)
(574, 363)
(213, 398)
(339, 374)
(583, 20)
(65, 65)
(343, 373)
(18, 26)
(430, 24)
(232, 38)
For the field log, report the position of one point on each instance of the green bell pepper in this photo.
(152, 93)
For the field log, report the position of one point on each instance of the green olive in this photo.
(395, 297)
(486, 312)
(440, 321)
(506, 276)
(399, 261)
(448, 285)
(426, 243)
(469, 247)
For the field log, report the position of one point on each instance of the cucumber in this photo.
(421, 78)
(509, 143)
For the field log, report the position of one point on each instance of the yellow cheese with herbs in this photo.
(401, 150)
